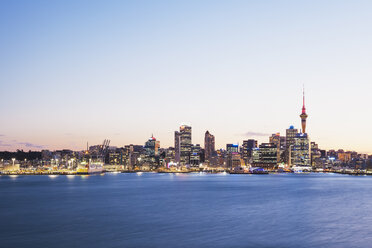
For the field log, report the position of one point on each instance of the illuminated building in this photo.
(344, 157)
(152, 147)
(182, 145)
(290, 136)
(209, 148)
(233, 157)
(195, 155)
(315, 155)
(233, 160)
(255, 155)
(132, 154)
(279, 141)
(267, 156)
(232, 148)
(177, 148)
(301, 150)
(115, 158)
(248, 146)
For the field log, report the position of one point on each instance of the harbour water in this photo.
(186, 210)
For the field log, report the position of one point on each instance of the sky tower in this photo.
(303, 114)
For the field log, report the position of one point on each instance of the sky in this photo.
(73, 72)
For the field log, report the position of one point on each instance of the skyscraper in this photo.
(232, 148)
(268, 156)
(290, 136)
(182, 145)
(301, 150)
(303, 115)
(195, 155)
(248, 146)
(279, 141)
(177, 151)
(208, 145)
(151, 150)
(152, 147)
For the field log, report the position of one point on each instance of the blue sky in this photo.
(78, 71)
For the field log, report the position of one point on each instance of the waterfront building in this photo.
(177, 147)
(152, 147)
(233, 160)
(195, 155)
(209, 144)
(255, 155)
(301, 150)
(344, 157)
(248, 146)
(315, 154)
(290, 136)
(151, 152)
(115, 158)
(280, 142)
(166, 156)
(183, 145)
(267, 156)
(133, 155)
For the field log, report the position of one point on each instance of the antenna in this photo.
(303, 99)
(303, 94)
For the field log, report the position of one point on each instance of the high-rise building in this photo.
(177, 147)
(233, 158)
(303, 115)
(279, 141)
(300, 152)
(195, 155)
(232, 148)
(290, 136)
(248, 146)
(315, 155)
(152, 147)
(209, 148)
(182, 145)
(255, 155)
(267, 156)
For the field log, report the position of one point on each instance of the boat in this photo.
(258, 170)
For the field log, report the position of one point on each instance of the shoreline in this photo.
(184, 172)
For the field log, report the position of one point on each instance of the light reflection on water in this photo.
(186, 210)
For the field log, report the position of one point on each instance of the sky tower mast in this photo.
(303, 114)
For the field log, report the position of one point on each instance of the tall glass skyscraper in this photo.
(208, 145)
(182, 144)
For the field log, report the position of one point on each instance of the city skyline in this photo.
(77, 72)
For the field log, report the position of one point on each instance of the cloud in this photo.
(3, 144)
(255, 134)
(30, 145)
(15, 144)
(2, 135)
